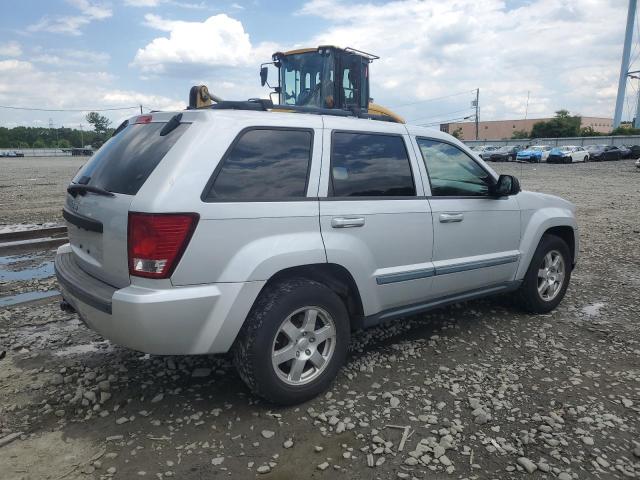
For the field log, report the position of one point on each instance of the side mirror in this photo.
(264, 73)
(505, 186)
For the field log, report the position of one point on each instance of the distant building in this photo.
(503, 129)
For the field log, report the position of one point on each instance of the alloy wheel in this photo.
(303, 345)
(551, 275)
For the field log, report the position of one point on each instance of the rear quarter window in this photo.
(263, 164)
(125, 162)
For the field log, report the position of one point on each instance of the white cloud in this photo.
(560, 50)
(72, 24)
(71, 58)
(23, 84)
(218, 41)
(156, 3)
(10, 49)
(93, 11)
(142, 3)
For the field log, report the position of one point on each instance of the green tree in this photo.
(457, 133)
(589, 132)
(39, 143)
(64, 143)
(100, 125)
(99, 122)
(625, 130)
(562, 125)
(517, 134)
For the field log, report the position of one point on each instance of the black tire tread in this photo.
(523, 296)
(244, 351)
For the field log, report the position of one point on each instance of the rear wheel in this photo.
(547, 278)
(293, 342)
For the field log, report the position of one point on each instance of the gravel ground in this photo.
(32, 188)
(478, 390)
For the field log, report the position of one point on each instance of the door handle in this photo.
(347, 222)
(451, 217)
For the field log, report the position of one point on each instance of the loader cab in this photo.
(323, 77)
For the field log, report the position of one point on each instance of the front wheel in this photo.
(293, 342)
(547, 278)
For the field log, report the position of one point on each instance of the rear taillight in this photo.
(156, 241)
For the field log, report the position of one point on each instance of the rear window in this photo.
(125, 162)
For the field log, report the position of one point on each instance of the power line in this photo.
(449, 120)
(440, 115)
(68, 109)
(433, 99)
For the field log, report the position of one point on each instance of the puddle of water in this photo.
(27, 267)
(44, 270)
(9, 259)
(26, 297)
(593, 309)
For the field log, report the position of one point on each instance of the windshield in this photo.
(504, 149)
(306, 79)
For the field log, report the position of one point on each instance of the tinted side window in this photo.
(451, 171)
(370, 165)
(265, 164)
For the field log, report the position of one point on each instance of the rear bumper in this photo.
(198, 319)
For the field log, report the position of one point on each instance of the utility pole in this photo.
(624, 67)
(636, 121)
(526, 109)
(140, 109)
(477, 103)
(81, 137)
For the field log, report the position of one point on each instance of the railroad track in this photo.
(12, 243)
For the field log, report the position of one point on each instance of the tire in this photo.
(585, 159)
(528, 295)
(262, 333)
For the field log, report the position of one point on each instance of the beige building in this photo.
(503, 129)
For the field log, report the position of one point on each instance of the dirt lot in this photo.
(486, 391)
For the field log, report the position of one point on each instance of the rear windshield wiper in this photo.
(76, 189)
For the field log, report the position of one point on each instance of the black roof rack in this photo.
(264, 105)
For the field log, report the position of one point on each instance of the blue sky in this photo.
(77, 54)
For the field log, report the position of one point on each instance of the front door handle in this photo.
(347, 222)
(451, 217)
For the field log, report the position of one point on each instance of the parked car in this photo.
(638, 163)
(599, 153)
(534, 153)
(215, 230)
(568, 154)
(635, 151)
(505, 154)
(625, 152)
(483, 148)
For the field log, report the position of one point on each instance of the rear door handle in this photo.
(347, 222)
(451, 217)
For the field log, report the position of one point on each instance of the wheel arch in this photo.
(334, 276)
(554, 221)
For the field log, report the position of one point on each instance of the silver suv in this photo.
(274, 235)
